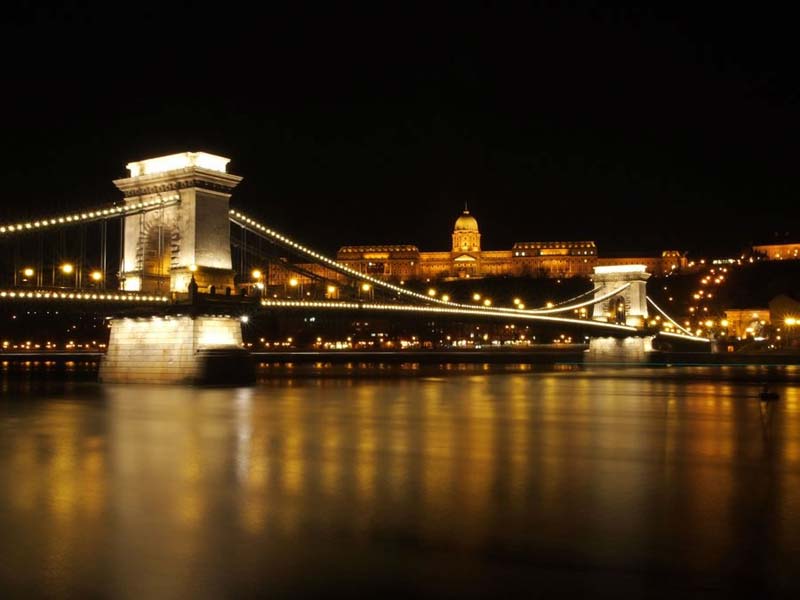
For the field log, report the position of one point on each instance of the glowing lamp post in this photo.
(366, 289)
(96, 277)
(68, 269)
(257, 275)
(294, 283)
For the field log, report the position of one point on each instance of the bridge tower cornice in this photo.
(190, 177)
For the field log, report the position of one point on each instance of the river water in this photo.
(399, 481)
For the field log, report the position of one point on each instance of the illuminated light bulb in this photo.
(96, 275)
(67, 268)
(193, 268)
(293, 282)
(27, 271)
(256, 274)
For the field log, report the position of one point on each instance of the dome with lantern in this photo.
(466, 222)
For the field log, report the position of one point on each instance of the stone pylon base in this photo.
(619, 350)
(179, 349)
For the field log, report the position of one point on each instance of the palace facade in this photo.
(466, 258)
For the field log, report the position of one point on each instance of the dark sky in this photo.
(641, 129)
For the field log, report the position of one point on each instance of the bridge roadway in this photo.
(174, 303)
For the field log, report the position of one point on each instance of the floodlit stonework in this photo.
(619, 350)
(166, 349)
(466, 258)
(189, 233)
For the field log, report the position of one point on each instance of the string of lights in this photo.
(98, 214)
(452, 310)
(92, 296)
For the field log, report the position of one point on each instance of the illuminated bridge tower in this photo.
(179, 229)
(628, 307)
(187, 230)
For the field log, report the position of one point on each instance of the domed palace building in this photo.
(466, 259)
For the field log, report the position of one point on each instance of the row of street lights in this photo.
(67, 269)
(331, 291)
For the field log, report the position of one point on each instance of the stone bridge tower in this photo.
(189, 234)
(629, 307)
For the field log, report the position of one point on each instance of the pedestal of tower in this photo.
(178, 350)
(619, 350)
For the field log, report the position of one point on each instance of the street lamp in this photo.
(69, 270)
(367, 289)
(293, 283)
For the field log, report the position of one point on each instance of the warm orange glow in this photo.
(67, 268)
(366, 287)
(193, 268)
(487, 302)
(293, 282)
(96, 275)
(476, 297)
(331, 289)
(256, 274)
(431, 292)
(28, 272)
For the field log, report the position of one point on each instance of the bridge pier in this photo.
(179, 349)
(631, 349)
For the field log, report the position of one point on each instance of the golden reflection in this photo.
(457, 459)
(366, 444)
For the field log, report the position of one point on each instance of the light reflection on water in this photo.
(460, 481)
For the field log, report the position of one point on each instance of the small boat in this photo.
(766, 394)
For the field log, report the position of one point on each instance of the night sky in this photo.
(639, 129)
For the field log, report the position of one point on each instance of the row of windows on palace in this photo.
(537, 259)
(405, 262)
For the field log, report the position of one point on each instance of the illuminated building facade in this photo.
(466, 258)
(779, 251)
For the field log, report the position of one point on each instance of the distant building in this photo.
(467, 259)
(744, 322)
(779, 251)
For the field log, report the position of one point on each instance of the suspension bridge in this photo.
(174, 267)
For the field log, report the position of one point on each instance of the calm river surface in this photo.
(443, 481)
